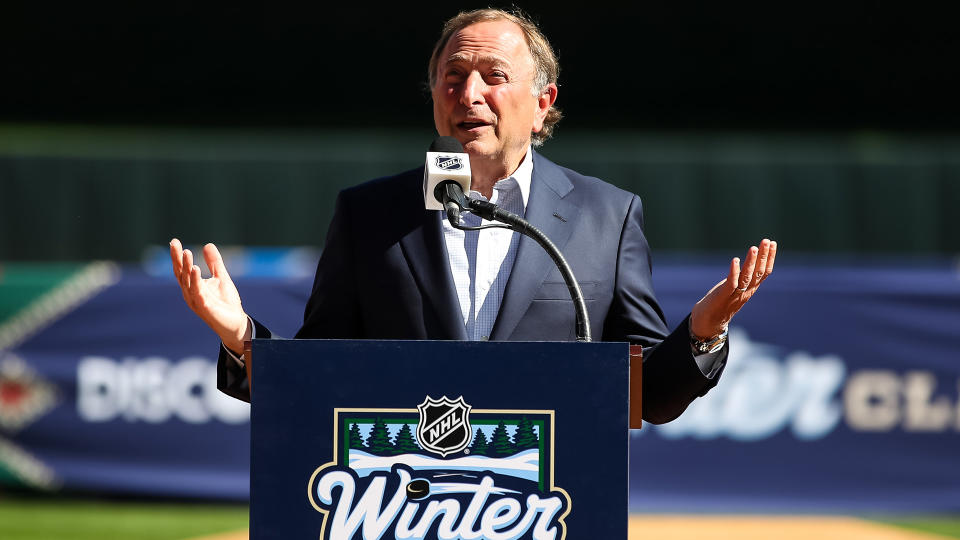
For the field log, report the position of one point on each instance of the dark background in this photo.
(832, 128)
(650, 65)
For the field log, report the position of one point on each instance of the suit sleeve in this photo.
(671, 377)
(231, 375)
(331, 312)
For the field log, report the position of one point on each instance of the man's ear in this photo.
(545, 100)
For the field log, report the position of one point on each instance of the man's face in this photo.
(483, 95)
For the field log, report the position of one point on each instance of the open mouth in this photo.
(474, 124)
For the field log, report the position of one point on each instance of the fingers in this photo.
(195, 283)
(186, 268)
(747, 275)
(191, 282)
(733, 276)
(763, 258)
(768, 254)
(773, 257)
(757, 266)
(214, 261)
(176, 257)
(760, 272)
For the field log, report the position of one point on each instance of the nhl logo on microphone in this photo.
(449, 163)
(444, 426)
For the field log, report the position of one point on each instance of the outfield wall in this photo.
(88, 192)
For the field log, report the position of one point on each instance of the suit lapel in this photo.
(548, 188)
(426, 254)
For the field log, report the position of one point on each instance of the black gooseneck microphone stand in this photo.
(451, 195)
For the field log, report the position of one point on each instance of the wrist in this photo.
(708, 345)
(705, 332)
(236, 341)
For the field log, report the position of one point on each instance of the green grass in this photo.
(30, 518)
(48, 519)
(948, 526)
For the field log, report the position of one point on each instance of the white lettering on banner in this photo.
(882, 400)
(154, 390)
(765, 391)
(336, 492)
(762, 395)
(872, 400)
(923, 411)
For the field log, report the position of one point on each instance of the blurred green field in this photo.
(71, 519)
(943, 525)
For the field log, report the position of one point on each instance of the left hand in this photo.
(711, 315)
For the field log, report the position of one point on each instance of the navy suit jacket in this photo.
(384, 274)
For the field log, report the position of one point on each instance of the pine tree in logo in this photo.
(525, 438)
(403, 442)
(379, 441)
(356, 439)
(479, 445)
(501, 445)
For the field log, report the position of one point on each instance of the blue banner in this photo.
(108, 384)
(841, 392)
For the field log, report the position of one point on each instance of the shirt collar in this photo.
(522, 176)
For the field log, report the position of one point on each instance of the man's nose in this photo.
(473, 89)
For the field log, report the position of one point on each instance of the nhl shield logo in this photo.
(444, 425)
(449, 163)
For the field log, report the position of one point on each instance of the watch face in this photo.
(713, 345)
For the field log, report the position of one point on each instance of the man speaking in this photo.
(392, 270)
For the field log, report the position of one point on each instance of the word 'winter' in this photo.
(352, 509)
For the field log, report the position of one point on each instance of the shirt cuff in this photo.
(253, 335)
(708, 362)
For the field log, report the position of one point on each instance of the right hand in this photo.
(215, 299)
(711, 315)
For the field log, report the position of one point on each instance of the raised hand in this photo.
(214, 299)
(711, 315)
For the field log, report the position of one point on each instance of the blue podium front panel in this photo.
(449, 440)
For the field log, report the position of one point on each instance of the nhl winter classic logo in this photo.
(444, 426)
(442, 471)
(449, 163)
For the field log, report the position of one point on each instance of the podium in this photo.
(439, 439)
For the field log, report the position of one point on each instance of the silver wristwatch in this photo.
(709, 346)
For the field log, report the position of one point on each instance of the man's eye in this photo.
(496, 77)
(453, 76)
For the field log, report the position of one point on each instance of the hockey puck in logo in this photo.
(418, 489)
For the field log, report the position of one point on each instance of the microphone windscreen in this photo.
(446, 160)
(446, 144)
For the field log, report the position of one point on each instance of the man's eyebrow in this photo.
(489, 60)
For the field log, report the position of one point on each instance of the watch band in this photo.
(708, 346)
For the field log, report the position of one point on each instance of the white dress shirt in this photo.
(481, 261)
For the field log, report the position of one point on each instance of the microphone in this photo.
(446, 175)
